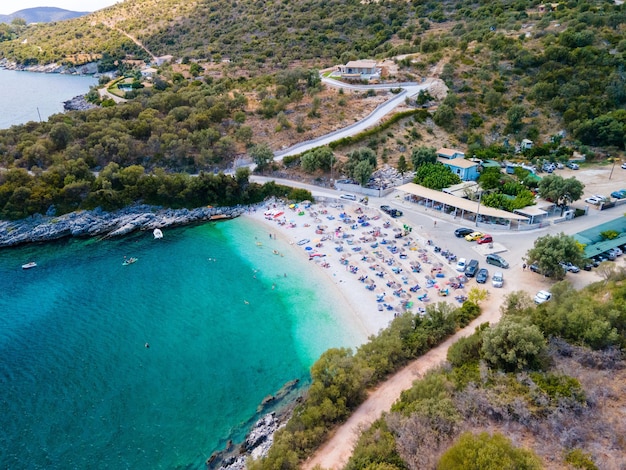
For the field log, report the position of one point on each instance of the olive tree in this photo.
(551, 250)
(560, 190)
(262, 155)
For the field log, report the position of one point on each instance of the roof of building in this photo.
(595, 243)
(458, 162)
(461, 189)
(531, 211)
(459, 203)
(449, 152)
(366, 63)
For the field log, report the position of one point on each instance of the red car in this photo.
(485, 239)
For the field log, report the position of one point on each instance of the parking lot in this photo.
(513, 245)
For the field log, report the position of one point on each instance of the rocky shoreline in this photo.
(276, 411)
(85, 69)
(98, 223)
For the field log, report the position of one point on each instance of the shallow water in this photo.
(227, 323)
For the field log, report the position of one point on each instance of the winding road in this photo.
(409, 89)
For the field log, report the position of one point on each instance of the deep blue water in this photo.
(27, 96)
(227, 321)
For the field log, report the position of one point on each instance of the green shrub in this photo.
(579, 459)
(485, 452)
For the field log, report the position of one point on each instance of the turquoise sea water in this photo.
(227, 321)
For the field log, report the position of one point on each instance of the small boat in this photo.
(304, 241)
(157, 233)
(128, 261)
(30, 265)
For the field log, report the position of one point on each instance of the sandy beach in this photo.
(375, 264)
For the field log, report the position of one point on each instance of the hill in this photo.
(516, 70)
(42, 15)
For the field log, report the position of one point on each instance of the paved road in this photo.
(408, 89)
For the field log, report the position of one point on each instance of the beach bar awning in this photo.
(458, 202)
(532, 212)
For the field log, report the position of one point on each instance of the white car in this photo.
(542, 296)
(624, 166)
(497, 280)
(460, 265)
(594, 200)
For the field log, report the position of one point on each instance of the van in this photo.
(497, 279)
(350, 197)
(497, 260)
(472, 267)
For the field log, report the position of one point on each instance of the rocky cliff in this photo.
(40, 228)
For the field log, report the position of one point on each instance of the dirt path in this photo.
(336, 452)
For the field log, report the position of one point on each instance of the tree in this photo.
(422, 155)
(490, 178)
(436, 176)
(477, 295)
(515, 115)
(363, 172)
(485, 452)
(444, 116)
(514, 344)
(365, 159)
(402, 166)
(559, 190)
(551, 250)
(262, 155)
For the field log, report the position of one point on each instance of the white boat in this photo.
(128, 261)
(30, 265)
(157, 233)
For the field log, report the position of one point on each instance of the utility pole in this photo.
(612, 168)
(480, 196)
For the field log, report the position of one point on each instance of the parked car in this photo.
(542, 296)
(461, 265)
(535, 268)
(572, 166)
(616, 251)
(621, 194)
(462, 232)
(497, 260)
(350, 197)
(559, 166)
(482, 275)
(395, 213)
(472, 268)
(473, 236)
(623, 166)
(572, 268)
(485, 239)
(498, 279)
(594, 200)
(385, 209)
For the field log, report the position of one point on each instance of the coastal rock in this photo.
(256, 445)
(40, 228)
(78, 103)
(261, 437)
